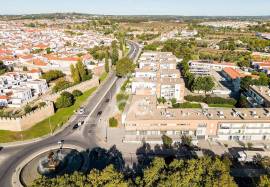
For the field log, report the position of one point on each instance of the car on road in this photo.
(107, 100)
(82, 110)
(99, 113)
(80, 123)
(75, 126)
(1, 148)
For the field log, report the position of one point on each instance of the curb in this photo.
(15, 179)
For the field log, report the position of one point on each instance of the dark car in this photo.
(1, 148)
(99, 113)
(75, 126)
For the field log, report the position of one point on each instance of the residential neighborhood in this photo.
(167, 93)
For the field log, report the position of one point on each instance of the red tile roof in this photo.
(232, 73)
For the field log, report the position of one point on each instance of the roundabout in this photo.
(49, 162)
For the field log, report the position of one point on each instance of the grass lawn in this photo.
(221, 105)
(42, 128)
(187, 105)
(103, 76)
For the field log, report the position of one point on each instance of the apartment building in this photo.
(157, 75)
(210, 65)
(144, 121)
(259, 96)
(18, 88)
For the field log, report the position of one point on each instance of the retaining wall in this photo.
(27, 121)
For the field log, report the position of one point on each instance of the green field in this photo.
(42, 128)
(221, 105)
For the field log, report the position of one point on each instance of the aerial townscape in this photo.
(148, 94)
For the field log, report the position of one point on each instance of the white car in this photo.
(81, 111)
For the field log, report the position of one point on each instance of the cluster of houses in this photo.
(18, 88)
(47, 48)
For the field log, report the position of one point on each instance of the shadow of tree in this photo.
(99, 158)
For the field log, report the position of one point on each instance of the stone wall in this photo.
(83, 86)
(27, 121)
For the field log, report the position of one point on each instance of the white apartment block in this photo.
(19, 88)
(157, 75)
(210, 65)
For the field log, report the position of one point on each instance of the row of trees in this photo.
(195, 172)
(263, 80)
(79, 73)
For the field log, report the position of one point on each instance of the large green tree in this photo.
(82, 71)
(124, 66)
(204, 83)
(66, 99)
(75, 74)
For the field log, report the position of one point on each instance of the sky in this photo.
(140, 7)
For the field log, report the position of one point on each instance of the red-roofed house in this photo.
(234, 76)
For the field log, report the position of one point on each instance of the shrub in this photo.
(52, 75)
(210, 100)
(66, 99)
(41, 104)
(25, 68)
(61, 85)
(194, 98)
(113, 122)
(76, 93)
(28, 109)
(219, 100)
(167, 141)
(121, 97)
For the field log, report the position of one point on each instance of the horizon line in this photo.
(95, 14)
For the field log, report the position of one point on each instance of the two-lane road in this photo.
(87, 139)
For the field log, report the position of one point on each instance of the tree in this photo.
(66, 99)
(265, 163)
(186, 140)
(107, 68)
(264, 181)
(242, 102)
(245, 83)
(61, 85)
(203, 83)
(75, 74)
(263, 79)
(82, 71)
(25, 68)
(167, 141)
(76, 93)
(173, 101)
(114, 56)
(113, 122)
(124, 66)
(52, 75)
(27, 109)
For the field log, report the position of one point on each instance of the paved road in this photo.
(84, 136)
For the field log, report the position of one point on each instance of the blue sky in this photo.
(137, 7)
